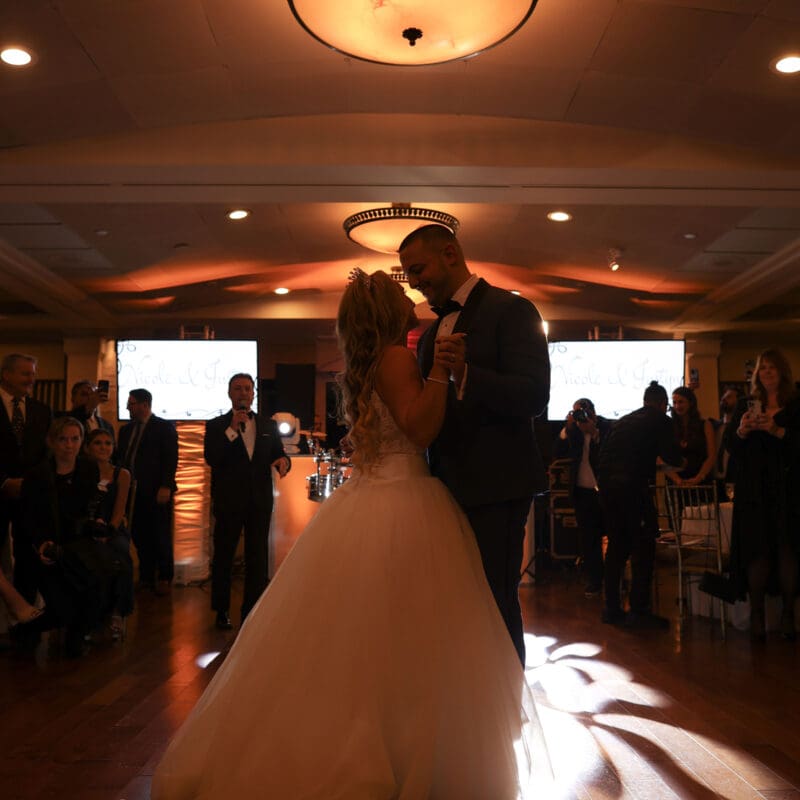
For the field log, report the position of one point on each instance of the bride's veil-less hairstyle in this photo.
(372, 316)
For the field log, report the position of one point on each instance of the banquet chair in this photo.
(695, 520)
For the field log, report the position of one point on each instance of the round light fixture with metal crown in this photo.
(383, 229)
(411, 32)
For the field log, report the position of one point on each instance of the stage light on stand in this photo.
(289, 430)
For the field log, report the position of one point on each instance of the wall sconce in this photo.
(614, 259)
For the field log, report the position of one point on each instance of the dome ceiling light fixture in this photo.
(383, 229)
(411, 32)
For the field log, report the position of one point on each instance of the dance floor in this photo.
(626, 714)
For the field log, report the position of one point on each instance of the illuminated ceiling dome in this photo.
(411, 32)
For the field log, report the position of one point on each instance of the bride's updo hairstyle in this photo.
(373, 314)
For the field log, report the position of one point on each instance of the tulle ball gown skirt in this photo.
(375, 666)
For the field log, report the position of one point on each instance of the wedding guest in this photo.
(626, 470)
(148, 447)
(695, 437)
(55, 501)
(375, 665)
(24, 423)
(764, 438)
(585, 432)
(501, 382)
(242, 448)
(108, 510)
(85, 401)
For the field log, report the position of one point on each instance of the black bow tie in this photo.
(448, 308)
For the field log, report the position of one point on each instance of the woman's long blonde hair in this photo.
(372, 316)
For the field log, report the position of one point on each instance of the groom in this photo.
(485, 453)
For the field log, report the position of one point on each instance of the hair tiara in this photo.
(358, 275)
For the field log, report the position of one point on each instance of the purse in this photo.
(720, 586)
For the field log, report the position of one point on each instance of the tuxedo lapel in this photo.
(471, 307)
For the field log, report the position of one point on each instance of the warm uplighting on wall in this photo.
(559, 216)
(411, 32)
(238, 213)
(16, 56)
(788, 65)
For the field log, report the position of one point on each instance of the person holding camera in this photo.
(584, 433)
(764, 439)
(85, 400)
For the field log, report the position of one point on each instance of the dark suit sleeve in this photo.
(217, 447)
(668, 448)
(519, 383)
(168, 442)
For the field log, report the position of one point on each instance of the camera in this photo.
(51, 552)
(581, 413)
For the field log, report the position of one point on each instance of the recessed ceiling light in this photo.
(689, 235)
(559, 216)
(788, 65)
(281, 290)
(238, 213)
(16, 56)
(515, 291)
(101, 232)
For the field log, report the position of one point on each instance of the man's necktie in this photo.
(17, 420)
(448, 308)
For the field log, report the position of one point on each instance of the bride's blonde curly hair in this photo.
(372, 315)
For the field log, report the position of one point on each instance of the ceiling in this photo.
(658, 124)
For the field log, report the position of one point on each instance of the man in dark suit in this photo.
(148, 447)
(501, 381)
(241, 448)
(85, 399)
(24, 423)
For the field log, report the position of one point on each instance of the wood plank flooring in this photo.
(627, 715)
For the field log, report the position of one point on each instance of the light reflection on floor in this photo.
(603, 728)
(204, 659)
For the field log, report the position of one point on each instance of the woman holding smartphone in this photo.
(764, 440)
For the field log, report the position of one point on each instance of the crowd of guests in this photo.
(751, 453)
(68, 490)
(67, 495)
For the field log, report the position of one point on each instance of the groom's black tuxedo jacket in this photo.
(236, 480)
(486, 451)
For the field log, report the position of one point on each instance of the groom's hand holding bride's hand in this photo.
(451, 351)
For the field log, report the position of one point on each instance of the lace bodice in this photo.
(392, 439)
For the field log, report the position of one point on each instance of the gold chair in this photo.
(695, 521)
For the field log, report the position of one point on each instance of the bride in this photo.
(376, 665)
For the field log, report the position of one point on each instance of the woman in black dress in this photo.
(695, 436)
(764, 440)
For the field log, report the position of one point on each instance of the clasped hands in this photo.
(451, 353)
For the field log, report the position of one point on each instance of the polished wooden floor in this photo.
(627, 715)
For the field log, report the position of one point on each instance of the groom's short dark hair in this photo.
(428, 234)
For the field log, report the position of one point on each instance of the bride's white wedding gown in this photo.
(375, 666)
